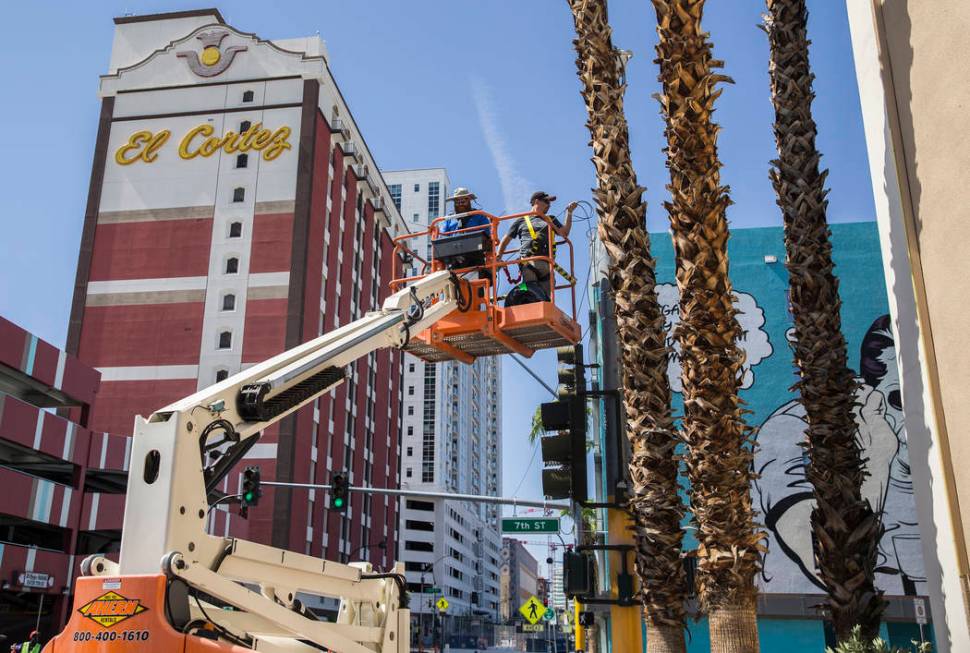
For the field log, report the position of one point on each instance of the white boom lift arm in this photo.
(183, 451)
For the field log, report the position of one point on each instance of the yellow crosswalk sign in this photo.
(533, 610)
(442, 604)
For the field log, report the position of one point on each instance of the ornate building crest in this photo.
(213, 60)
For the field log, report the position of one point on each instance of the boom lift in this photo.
(168, 590)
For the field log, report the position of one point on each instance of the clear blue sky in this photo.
(486, 89)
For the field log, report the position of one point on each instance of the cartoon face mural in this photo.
(785, 495)
(751, 317)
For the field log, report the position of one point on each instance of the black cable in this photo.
(399, 580)
(247, 641)
(463, 303)
(228, 497)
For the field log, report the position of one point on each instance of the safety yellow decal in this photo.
(111, 608)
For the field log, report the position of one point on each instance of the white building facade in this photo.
(451, 442)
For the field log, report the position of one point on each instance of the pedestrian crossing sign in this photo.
(533, 610)
(442, 604)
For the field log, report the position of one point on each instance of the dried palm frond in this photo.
(718, 441)
(655, 503)
(847, 531)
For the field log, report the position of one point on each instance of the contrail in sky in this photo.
(515, 188)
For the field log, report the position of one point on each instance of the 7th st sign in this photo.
(513, 525)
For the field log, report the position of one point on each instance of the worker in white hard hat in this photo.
(462, 219)
(462, 198)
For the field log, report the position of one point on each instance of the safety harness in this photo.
(535, 250)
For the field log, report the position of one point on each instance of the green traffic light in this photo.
(338, 502)
(248, 497)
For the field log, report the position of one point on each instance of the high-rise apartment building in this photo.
(519, 578)
(450, 442)
(235, 211)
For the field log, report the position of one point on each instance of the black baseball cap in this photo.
(542, 195)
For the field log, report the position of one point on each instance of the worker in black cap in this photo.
(533, 235)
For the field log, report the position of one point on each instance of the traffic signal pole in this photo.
(472, 498)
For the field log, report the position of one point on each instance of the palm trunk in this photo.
(847, 532)
(734, 628)
(718, 441)
(655, 503)
(662, 638)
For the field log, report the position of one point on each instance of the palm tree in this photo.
(718, 441)
(847, 531)
(655, 504)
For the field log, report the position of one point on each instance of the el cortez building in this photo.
(235, 211)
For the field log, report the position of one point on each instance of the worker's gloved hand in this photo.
(572, 206)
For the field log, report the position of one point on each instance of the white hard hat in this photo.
(460, 193)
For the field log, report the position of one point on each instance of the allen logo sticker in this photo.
(111, 608)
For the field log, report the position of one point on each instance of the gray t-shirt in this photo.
(521, 231)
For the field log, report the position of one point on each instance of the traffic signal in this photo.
(251, 491)
(564, 451)
(578, 574)
(339, 492)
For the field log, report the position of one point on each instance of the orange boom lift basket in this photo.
(482, 326)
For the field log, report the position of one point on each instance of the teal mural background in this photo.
(855, 250)
(857, 257)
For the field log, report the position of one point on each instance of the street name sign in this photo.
(432, 590)
(530, 525)
(533, 610)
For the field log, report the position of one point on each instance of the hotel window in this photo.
(434, 200)
(417, 188)
(244, 125)
(225, 340)
(232, 265)
(248, 96)
(410, 410)
(221, 375)
(410, 473)
(229, 302)
(239, 195)
(410, 389)
(235, 230)
(242, 161)
(411, 430)
(414, 218)
(410, 451)
(395, 190)
(411, 367)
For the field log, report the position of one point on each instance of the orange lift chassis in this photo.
(168, 591)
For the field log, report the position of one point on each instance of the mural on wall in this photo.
(785, 495)
(751, 318)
